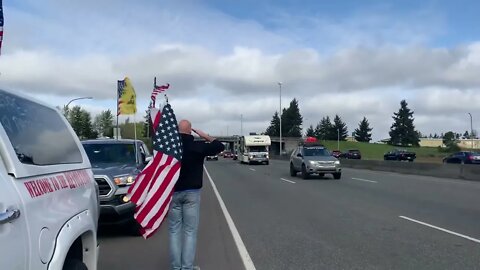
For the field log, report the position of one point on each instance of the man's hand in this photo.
(203, 135)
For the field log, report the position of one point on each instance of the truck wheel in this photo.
(74, 264)
(292, 170)
(321, 175)
(304, 172)
(337, 175)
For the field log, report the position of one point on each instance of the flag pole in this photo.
(135, 136)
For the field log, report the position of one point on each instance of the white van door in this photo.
(13, 232)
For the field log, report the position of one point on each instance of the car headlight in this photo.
(337, 162)
(124, 180)
(312, 162)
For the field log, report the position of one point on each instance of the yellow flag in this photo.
(127, 99)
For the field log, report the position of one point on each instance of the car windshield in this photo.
(258, 149)
(316, 151)
(110, 153)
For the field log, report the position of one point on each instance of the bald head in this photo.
(185, 127)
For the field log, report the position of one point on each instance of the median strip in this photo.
(364, 180)
(286, 180)
(441, 229)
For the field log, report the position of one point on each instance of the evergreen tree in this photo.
(81, 122)
(466, 135)
(274, 128)
(310, 132)
(363, 132)
(147, 126)
(292, 120)
(339, 129)
(402, 131)
(103, 124)
(323, 130)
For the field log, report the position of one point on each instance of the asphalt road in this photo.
(366, 220)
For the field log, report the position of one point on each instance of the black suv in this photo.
(465, 157)
(115, 164)
(352, 154)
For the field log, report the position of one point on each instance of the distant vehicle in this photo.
(212, 157)
(227, 154)
(464, 157)
(336, 153)
(254, 149)
(400, 155)
(352, 154)
(115, 164)
(313, 158)
(48, 196)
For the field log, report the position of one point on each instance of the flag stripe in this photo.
(162, 196)
(164, 174)
(141, 188)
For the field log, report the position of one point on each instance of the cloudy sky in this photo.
(224, 59)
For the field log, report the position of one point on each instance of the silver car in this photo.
(314, 159)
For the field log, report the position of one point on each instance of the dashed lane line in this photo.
(289, 181)
(364, 180)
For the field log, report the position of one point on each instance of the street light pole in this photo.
(66, 106)
(241, 124)
(338, 139)
(280, 116)
(471, 128)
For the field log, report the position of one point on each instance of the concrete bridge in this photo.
(288, 143)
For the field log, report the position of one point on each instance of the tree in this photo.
(466, 135)
(128, 130)
(339, 129)
(81, 122)
(292, 120)
(402, 131)
(363, 132)
(323, 130)
(310, 132)
(103, 124)
(450, 141)
(274, 128)
(147, 125)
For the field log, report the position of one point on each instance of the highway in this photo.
(366, 220)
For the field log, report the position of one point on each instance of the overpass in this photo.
(288, 143)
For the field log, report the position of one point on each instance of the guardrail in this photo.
(458, 171)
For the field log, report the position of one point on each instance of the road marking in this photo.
(252, 169)
(441, 229)
(364, 180)
(247, 260)
(286, 180)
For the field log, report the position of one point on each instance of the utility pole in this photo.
(471, 128)
(338, 139)
(280, 116)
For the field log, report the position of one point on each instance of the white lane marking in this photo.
(286, 180)
(364, 180)
(251, 169)
(247, 260)
(441, 229)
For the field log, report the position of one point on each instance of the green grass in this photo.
(372, 151)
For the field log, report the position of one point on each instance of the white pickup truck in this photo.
(48, 196)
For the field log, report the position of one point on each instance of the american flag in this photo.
(153, 187)
(1, 24)
(157, 89)
(120, 88)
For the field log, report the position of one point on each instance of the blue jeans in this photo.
(183, 219)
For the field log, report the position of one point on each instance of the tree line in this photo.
(402, 132)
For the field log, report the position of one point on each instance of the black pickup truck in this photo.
(400, 155)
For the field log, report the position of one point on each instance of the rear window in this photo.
(315, 151)
(110, 153)
(37, 133)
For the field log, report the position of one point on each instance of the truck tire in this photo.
(74, 264)
(337, 175)
(133, 228)
(292, 170)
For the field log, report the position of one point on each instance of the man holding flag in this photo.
(184, 214)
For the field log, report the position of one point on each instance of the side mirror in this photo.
(147, 159)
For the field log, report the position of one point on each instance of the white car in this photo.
(48, 196)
